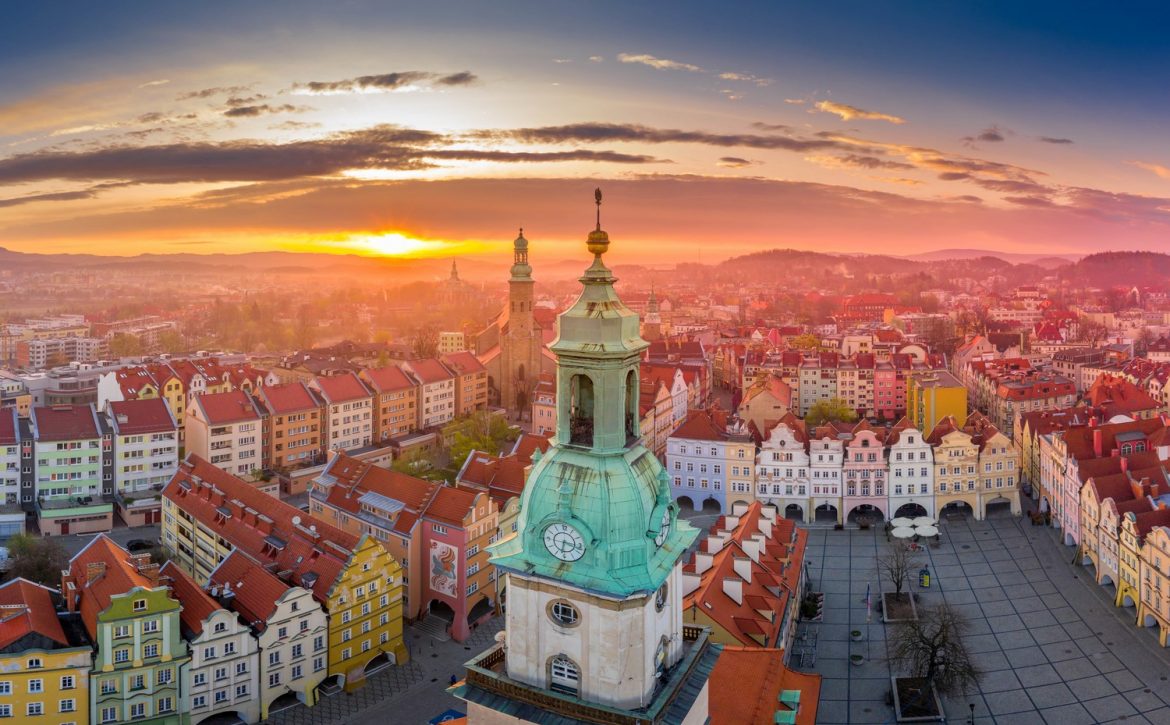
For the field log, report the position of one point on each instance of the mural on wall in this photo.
(444, 557)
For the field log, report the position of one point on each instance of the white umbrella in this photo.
(901, 521)
(923, 521)
(927, 530)
(902, 532)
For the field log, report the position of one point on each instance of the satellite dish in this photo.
(296, 520)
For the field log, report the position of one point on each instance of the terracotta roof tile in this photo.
(27, 608)
(255, 591)
(119, 575)
(137, 417)
(341, 388)
(287, 398)
(197, 605)
(231, 407)
(65, 423)
(388, 379)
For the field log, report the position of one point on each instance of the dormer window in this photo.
(139, 605)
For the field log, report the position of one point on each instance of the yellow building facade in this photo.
(46, 686)
(932, 396)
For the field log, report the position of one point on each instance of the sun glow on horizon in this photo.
(380, 244)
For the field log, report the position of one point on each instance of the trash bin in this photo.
(924, 577)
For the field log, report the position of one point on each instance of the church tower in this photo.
(521, 343)
(594, 570)
(652, 325)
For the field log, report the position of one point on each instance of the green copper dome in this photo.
(596, 511)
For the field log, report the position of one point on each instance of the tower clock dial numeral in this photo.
(564, 542)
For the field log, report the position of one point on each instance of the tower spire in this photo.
(597, 199)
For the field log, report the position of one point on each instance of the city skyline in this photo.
(437, 131)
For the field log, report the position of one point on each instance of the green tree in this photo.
(37, 559)
(833, 409)
(170, 341)
(807, 341)
(125, 346)
(480, 431)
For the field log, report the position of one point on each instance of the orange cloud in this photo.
(848, 113)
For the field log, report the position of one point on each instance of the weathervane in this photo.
(597, 197)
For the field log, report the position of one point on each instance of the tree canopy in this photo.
(37, 559)
(480, 431)
(833, 409)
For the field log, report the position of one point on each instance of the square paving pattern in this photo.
(1052, 647)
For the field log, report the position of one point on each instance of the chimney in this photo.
(703, 561)
(690, 582)
(765, 526)
(752, 547)
(743, 567)
(733, 588)
(714, 544)
(730, 523)
(1124, 463)
(1096, 437)
(94, 570)
(769, 513)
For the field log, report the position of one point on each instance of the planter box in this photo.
(932, 699)
(888, 600)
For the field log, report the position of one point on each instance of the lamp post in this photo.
(972, 706)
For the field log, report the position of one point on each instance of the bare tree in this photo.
(897, 565)
(932, 649)
(424, 343)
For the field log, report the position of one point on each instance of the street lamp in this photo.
(972, 706)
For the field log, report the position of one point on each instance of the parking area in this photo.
(1052, 646)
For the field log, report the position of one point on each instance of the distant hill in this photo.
(1120, 269)
(1047, 261)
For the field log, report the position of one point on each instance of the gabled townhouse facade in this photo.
(293, 419)
(436, 395)
(146, 456)
(440, 533)
(129, 612)
(783, 474)
(911, 476)
(471, 382)
(700, 455)
(348, 412)
(290, 628)
(207, 513)
(44, 675)
(226, 429)
(826, 458)
(395, 401)
(224, 674)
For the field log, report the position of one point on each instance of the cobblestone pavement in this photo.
(1052, 646)
(409, 694)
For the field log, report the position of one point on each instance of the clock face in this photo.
(664, 530)
(564, 542)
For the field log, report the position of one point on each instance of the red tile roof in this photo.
(65, 423)
(341, 388)
(388, 379)
(223, 408)
(429, 371)
(119, 574)
(255, 591)
(745, 688)
(463, 363)
(354, 477)
(287, 398)
(27, 608)
(8, 427)
(701, 425)
(136, 417)
(451, 505)
(312, 552)
(197, 605)
(132, 380)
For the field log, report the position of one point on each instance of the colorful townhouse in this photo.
(44, 675)
(911, 475)
(782, 469)
(208, 512)
(292, 417)
(66, 471)
(956, 466)
(1154, 562)
(224, 675)
(395, 401)
(746, 579)
(826, 458)
(291, 650)
(697, 456)
(146, 456)
(471, 382)
(349, 412)
(10, 461)
(436, 395)
(864, 471)
(544, 406)
(226, 429)
(140, 657)
(932, 396)
(440, 533)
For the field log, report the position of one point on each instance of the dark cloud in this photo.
(463, 78)
(734, 162)
(387, 82)
(89, 193)
(1035, 201)
(970, 198)
(1053, 139)
(263, 109)
(603, 132)
(761, 126)
(380, 147)
(209, 92)
(1011, 186)
(872, 162)
(236, 101)
(294, 125)
(152, 117)
(991, 134)
(954, 176)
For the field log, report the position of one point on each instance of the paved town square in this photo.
(1052, 646)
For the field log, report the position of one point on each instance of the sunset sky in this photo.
(714, 129)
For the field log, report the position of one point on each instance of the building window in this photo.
(109, 714)
(35, 708)
(563, 613)
(36, 685)
(139, 606)
(660, 598)
(564, 676)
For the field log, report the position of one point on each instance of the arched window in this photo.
(564, 676)
(581, 411)
(632, 420)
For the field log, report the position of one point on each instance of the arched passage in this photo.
(794, 511)
(441, 609)
(685, 503)
(866, 514)
(910, 510)
(711, 506)
(999, 506)
(825, 512)
(958, 509)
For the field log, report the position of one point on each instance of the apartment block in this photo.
(395, 401)
(226, 429)
(349, 412)
(293, 416)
